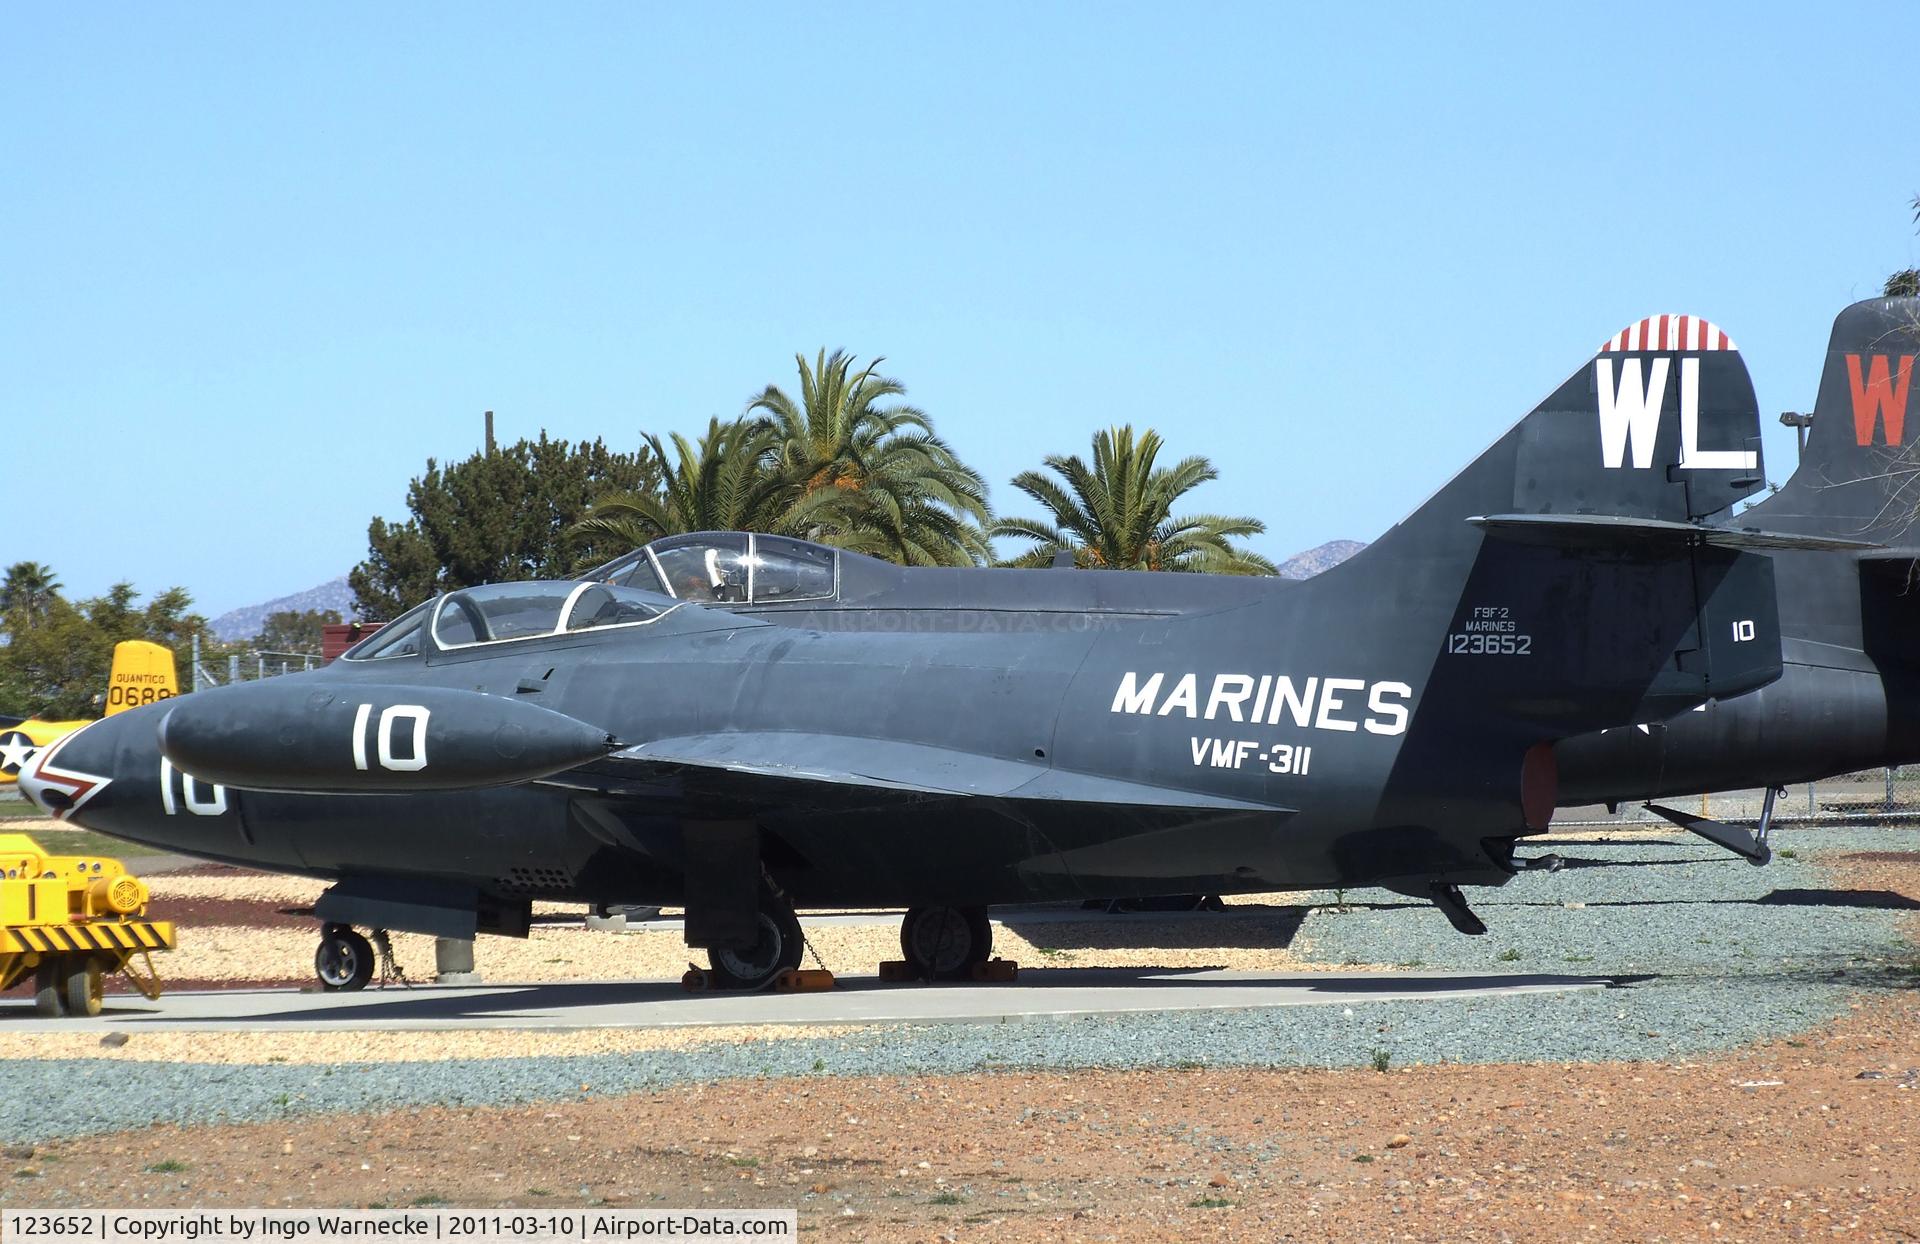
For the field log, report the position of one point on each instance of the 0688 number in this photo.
(134, 697)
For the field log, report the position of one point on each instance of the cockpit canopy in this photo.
(501, 611)
(498, 612)
(729, 568)
(710, 567)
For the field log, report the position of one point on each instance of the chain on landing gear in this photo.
(390, 969)
(806, 943)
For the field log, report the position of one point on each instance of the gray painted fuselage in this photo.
(1388, 722)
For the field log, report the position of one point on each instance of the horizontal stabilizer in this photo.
(882, 764)
(1613, 530)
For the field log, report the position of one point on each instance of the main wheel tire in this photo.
(344, 961)
(778, 948)
(946, 943)
(84, 987)
(49, 988)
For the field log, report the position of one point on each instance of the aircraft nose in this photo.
(57, 779)
(28, 784)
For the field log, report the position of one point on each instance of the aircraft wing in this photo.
(762, 767)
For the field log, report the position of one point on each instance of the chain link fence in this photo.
(1872, 796)
(246, 668)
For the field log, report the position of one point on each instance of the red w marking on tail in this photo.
(1881, 395)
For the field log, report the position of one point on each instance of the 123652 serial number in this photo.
(1483, 643)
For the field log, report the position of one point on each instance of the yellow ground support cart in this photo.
(72, 920)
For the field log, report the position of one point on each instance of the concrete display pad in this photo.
(1039, 993)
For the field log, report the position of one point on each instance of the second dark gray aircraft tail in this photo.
(1859, 477)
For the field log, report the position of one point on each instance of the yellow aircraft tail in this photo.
(142, 673)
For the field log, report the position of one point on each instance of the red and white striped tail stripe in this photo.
(1670, 332)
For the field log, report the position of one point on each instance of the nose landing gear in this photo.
(344, 960)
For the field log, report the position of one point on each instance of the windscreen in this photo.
(398, 638)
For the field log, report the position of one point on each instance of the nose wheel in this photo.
(945, 943)
(344, 960)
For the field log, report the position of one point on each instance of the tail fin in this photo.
(142, 674)
(1586, 521)
(1648, 428)
(1859, 476)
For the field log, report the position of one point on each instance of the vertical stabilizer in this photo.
(143, 673)
(1860, 475)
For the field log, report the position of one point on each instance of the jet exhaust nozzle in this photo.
(362, 739)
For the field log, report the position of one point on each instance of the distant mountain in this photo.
(1325, 557)
(247, 621)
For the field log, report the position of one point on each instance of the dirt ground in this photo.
(1785, 1143)
(1813, 1137)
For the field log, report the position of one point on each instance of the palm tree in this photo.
(866, 474)
(29, 586)
(1118, 513)
(729, 482)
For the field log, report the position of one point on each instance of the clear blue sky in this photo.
(258, 263)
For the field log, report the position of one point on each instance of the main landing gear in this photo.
(945, 943)
(938, 943)
(778, 947)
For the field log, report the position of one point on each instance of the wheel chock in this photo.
(696, 981)
(896, 971)
(803, 980)
(995, 971)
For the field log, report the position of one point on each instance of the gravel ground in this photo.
(1714, 953)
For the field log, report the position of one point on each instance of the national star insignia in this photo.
(16, 749)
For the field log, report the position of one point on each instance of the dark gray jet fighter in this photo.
(1390, 722)
(1849, 697)
(1849, 596)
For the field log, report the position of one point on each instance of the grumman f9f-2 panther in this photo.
(1849, 585)
(1390, 722)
